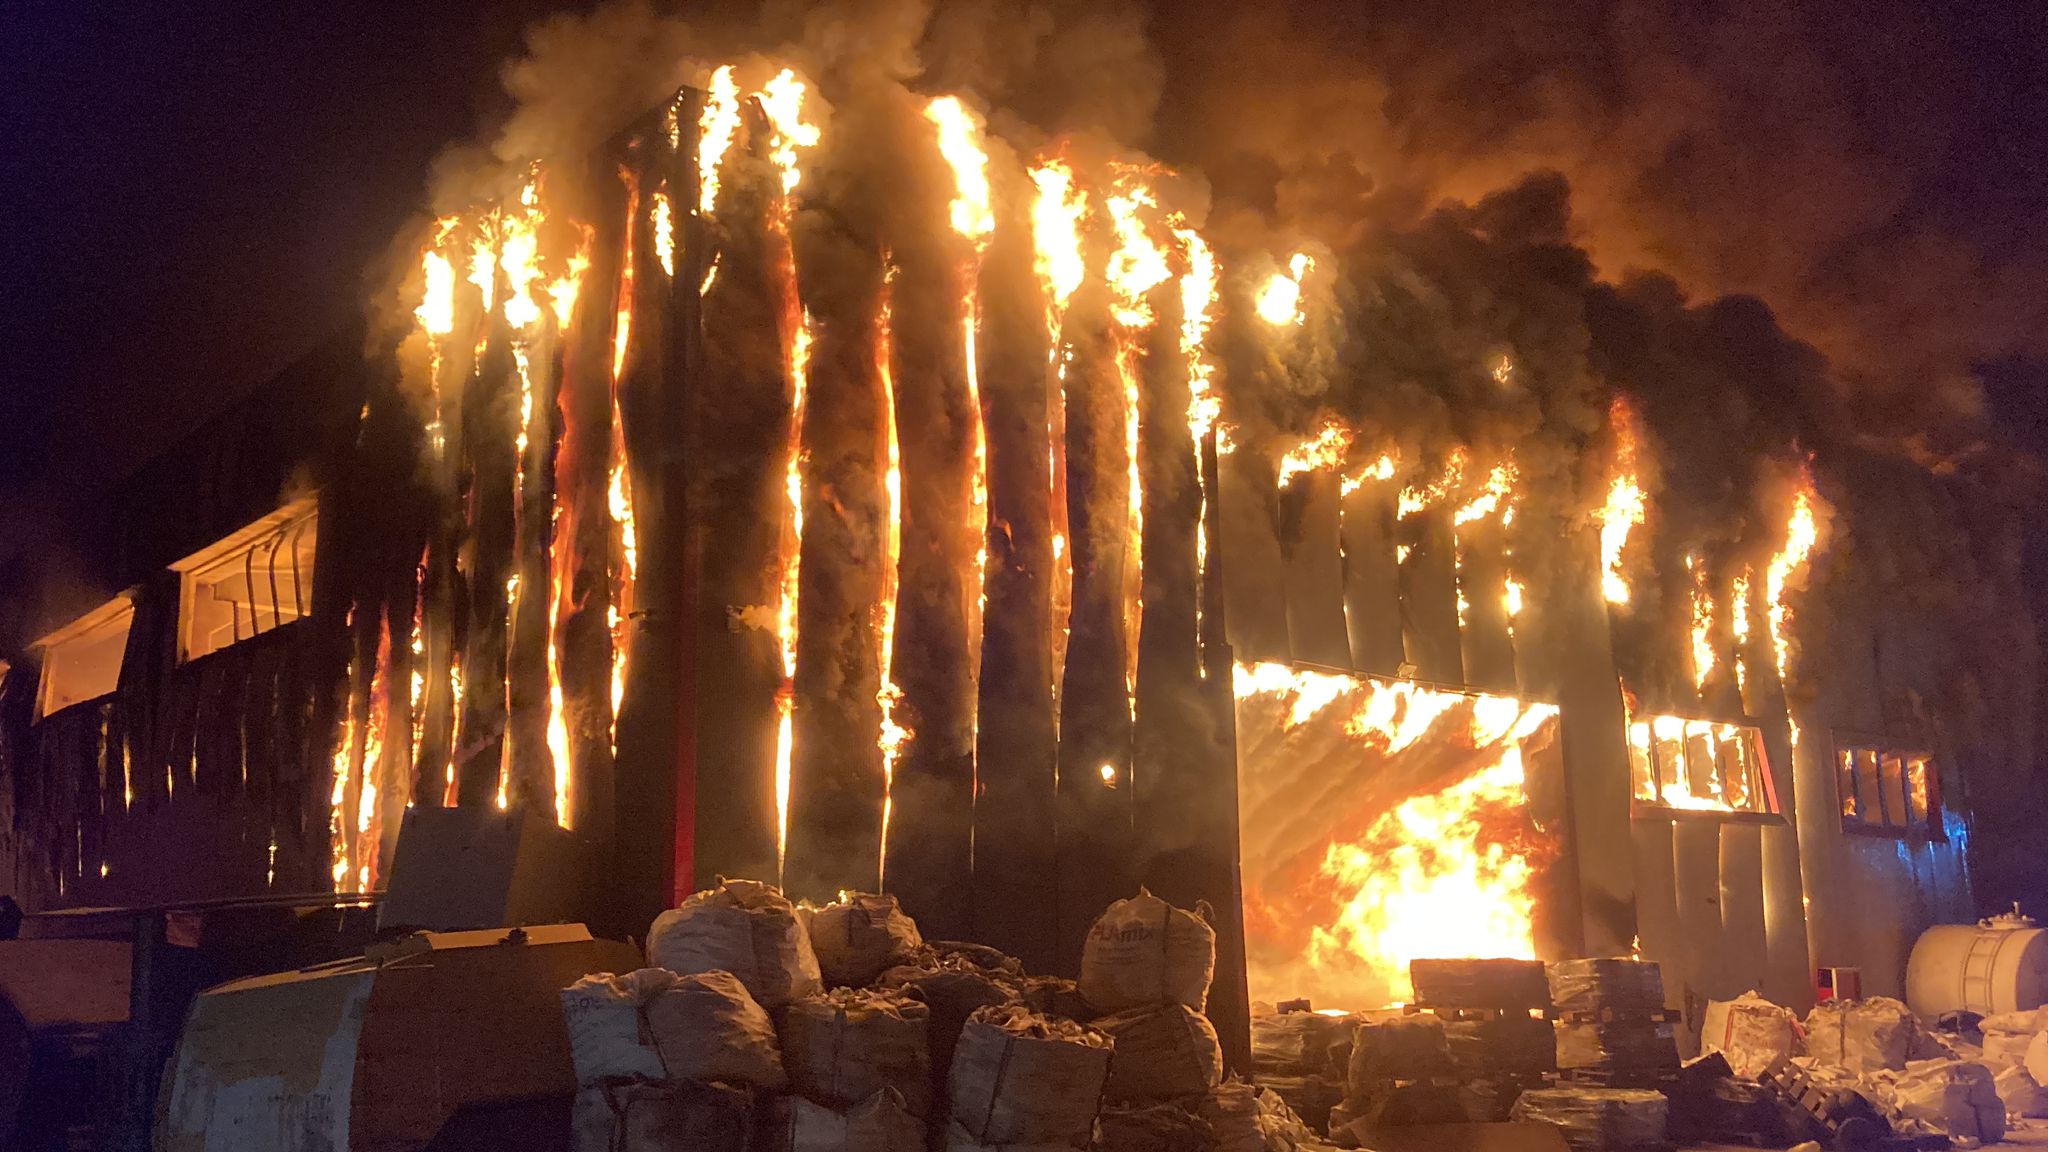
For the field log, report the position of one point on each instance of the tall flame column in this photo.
(1016, 743)
(743, 425)
(929, 850)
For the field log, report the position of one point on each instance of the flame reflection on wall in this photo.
(1383, 821)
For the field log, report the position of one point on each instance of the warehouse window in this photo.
(82, 660)
(248, 583)
(1681, 764)
(1887, 791)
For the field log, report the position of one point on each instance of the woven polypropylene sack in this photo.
(708, 1027)
(843, 1047)
(1022, 1078)
(858, 936)
(1751, 1032)
(1861, 1035)
(606, 1037)
(878, 1124)
(1953, 1096)
(1161, 1052)
(743, 927)
(1144, 951)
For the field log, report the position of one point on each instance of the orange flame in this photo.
(1500, 484)
(1381, 469)
(1626, 506)
(343, 768)
(893, 735)
(618, 485)
(717, 125)
(1802, 536)
(1375, 898)
(1702, 624)
(1418, 497)
(1279, 300)
(664, 234)
(959, 138)
(1321, 452)
(1697, 765)
(782, 103)
(1205, 407)
(1056, 215)
(1136, 266)
(369, 818)
(1738, 609)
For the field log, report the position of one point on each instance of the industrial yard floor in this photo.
(2033, 1137)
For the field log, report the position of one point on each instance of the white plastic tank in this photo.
(1996, 965)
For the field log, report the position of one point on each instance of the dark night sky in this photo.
(193, 191)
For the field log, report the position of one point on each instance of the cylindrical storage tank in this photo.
(1995, 965)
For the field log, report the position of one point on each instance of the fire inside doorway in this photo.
(1382, 821)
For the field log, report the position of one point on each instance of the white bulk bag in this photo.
(843, 1047)
(2023, 1095)
(743, 927)
(707, 1027)
(878, 1124)
(602, 1012)
(1161, 1052)
(1144, 951)
(1022, 1078)
(1751, 1032)
(1952, 1096)
(858, 936)
(1861, 1035)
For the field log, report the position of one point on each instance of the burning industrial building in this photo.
(838, 454)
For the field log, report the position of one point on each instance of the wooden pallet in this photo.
(1618, 1015)
(1447, 1012)
(1653, 1078)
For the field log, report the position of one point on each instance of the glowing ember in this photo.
(1279, 301)
(1625, 507)
(717, 126)
(1382, 822)
(1321, 452)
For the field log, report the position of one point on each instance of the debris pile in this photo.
(1590, 1047)
(766, 1025)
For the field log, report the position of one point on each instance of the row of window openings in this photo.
(1700, 765)
(261, 577)
(235, 589)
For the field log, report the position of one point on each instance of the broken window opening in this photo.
(251, 582)
(82, 660)
(1888, 791)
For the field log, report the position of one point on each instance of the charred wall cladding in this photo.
(870, 494)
